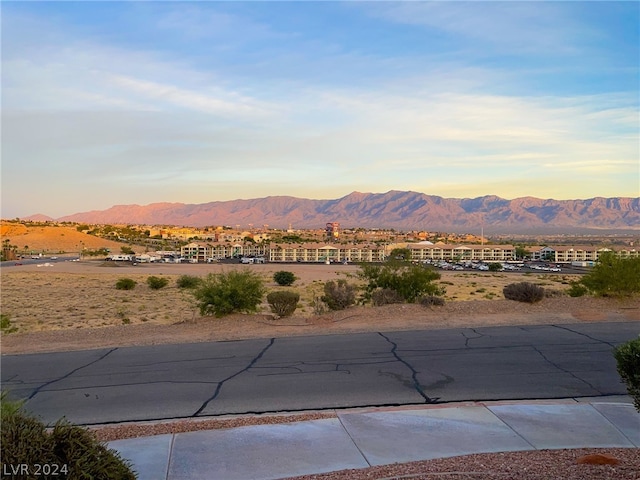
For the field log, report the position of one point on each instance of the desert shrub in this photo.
(156, 283)
(73, 450)
(627, 358)
(284, 278)
(385, 296)
(5, 324)
(577, 290)
(523, 292)
(409, 281)
(224, 293)
(283, 304)
(339, 294)
(319, 307)
(188, 281)
(495, 267)
(125, 284)
(431, 300)
(613, 276)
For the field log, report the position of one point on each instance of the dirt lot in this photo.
(75, 305)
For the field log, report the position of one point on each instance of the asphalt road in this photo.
(301, 373)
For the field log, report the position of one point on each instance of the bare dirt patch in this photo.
(75, 305)
(52, 239)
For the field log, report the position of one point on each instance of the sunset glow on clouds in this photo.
(108, 103)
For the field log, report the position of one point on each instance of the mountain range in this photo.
(402, 210)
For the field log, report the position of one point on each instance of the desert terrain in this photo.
(75, 305)
(52, 239)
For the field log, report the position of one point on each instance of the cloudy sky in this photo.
(107, 103)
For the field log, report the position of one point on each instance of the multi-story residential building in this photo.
(424, 251)
(322, 252)
(372, 252)
(580, 253)
(202, 252)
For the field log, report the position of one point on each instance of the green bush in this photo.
(73, 450)
(495, 267)
(409, 281)
(339, 294)
(225, 293)
(613, 276)
(627, 357)
(5, 324)
(188, 281)
(523, 292)
(156, 283)
(283, 304)
(283, 278)
(577, 290)
(385, 296)
(126, 284)
(431, 300)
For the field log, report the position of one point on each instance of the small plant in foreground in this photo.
(126, 284)
(283, 304)
(68, 451)
(627, 357)
(523, 292)
(188, 281)
(339, 294)
(284, 278)
(156, 283)
(225, 293)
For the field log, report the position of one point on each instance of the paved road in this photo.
(299, 373)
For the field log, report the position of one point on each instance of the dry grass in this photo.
(82, 294)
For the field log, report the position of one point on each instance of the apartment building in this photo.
(421, 252)
(580, 253)
(202, 252)
(322, 252)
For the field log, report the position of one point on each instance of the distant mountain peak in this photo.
(403, 210)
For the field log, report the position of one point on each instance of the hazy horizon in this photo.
(230, 200)
(119, 103)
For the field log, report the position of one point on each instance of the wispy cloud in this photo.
(208, 101)
(542, 27)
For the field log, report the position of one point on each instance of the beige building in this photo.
(372, 252)
(580, 253)
(421, 252)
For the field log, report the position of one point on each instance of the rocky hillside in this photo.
(394, 209)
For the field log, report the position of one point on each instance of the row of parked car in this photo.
(484, 266)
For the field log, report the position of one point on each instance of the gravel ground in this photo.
(534, 465)
(526, 465)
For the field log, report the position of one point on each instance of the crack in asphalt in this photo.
(302, 368)
(222, 382)
(37, 390)
(414, 373)
(186, 360)
(585, 335)
(466, 341)
(565, 370)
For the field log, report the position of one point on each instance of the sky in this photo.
(117, 103)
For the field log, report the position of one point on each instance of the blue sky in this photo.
(108, 103)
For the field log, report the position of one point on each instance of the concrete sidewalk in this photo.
(360, 438)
